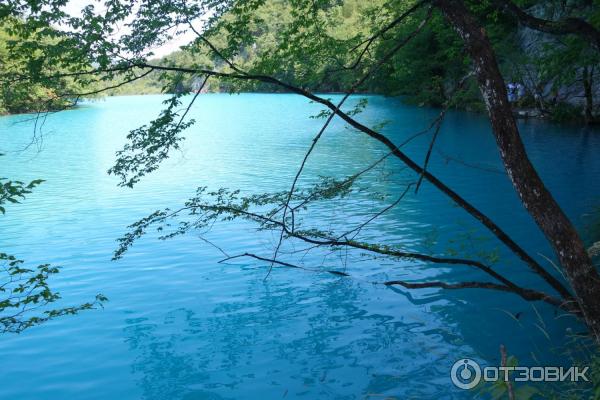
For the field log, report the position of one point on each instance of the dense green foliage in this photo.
(273, 36)
(18, 95)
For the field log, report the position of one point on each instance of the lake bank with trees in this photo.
(559, 76)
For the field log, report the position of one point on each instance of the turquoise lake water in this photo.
(179, 325)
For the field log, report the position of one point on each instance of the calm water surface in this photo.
(181, 326)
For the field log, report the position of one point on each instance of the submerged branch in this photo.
(208, 213)
(527, 294)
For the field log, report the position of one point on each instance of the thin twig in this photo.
(509, 385)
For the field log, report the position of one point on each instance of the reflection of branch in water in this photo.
(226, 205)
(447, 158)
(508, 286)
(268, 340)
(165, 372)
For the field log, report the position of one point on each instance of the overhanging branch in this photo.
(564, 26)
(459, 200)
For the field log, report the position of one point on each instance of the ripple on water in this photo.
(180, 325)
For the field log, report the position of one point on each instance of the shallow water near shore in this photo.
(180, 325)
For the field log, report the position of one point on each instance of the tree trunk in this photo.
(568, 246)
(589, 97)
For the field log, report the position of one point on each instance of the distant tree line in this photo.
(558, 74)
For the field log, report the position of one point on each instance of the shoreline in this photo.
(519, 113)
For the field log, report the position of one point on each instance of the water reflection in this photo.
(287, 340)
(199, 329)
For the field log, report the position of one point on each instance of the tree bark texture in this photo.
(537, 200)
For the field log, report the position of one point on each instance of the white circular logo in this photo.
(465, 374)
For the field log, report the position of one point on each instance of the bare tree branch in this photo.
(507, 285)
(368, 42)
(564, 26)
(459, 200)
(529, 295)
(355, 86)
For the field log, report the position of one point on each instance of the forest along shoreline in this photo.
(520, 112)
(548, 77)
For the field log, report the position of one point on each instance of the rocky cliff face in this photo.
(561, 71)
